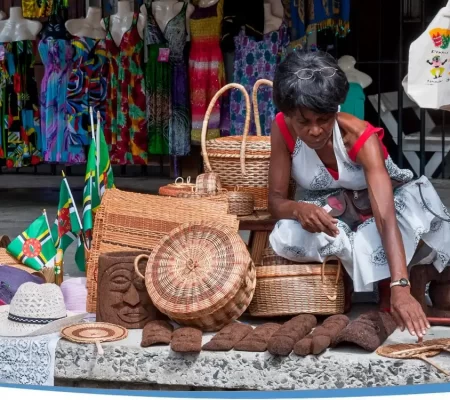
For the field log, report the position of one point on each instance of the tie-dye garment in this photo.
(86, 88)
(57, 57)
(19, 105)
(126, 127)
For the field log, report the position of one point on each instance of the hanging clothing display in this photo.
(256, 60)
(306, 16)
(206, 68)
(167, 86)
(19, 105)
(354, 103)
(125, 124)
(56, 55)
(37, 8)
(86, 88)
(236, 14)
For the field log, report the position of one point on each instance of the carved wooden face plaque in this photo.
(122, 297)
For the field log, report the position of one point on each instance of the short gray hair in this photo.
(319, 94)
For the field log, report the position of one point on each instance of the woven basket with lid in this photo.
(299, 289)
(173, 189)
(239, 160)
(201, 275)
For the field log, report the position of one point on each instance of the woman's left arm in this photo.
(405, 309)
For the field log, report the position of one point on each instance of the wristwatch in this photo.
(402, 282)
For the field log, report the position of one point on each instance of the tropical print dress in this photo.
(206, 68)
(360, 250)
(256, 60)
(126, 126)
(169, 123)
(86, 89)
(37, 8)
(20, 141)
(56, 55)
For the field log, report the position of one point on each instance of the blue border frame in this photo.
(293, 394)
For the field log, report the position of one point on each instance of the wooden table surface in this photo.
(258, 221)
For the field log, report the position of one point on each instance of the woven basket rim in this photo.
(240, 268)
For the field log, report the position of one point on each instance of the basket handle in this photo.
(246, 125)
(137, 260)
(338, 275)
(258, 83)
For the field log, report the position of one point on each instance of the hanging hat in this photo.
(11, 279)
(36, 310)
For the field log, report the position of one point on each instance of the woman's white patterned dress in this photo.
(361, 252)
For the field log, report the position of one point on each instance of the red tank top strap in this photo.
(289, 140)
(370, 130)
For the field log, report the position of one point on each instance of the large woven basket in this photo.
(239, 160)
(136, 222)
(48, 274)
(201, 275)
(298, 289)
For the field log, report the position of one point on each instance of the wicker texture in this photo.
(241, 203)
(130, 221)
(271, 258)
(48, 274)
(94, 332)
(208, 183)
(201, 275)
(239, 160)
(173, 189)
(298, 289)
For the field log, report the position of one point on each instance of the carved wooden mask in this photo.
(122, 297)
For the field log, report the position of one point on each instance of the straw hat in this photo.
(36, 310)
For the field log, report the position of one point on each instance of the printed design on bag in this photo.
(440, 37)
(438, 66)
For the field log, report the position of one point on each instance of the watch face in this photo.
(403, 282)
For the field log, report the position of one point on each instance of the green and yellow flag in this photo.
(67, 224)
(103, 162)
(34, 247)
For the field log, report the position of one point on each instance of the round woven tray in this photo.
(173, 189)
(94, 332)
(298, 289)
(201, 275)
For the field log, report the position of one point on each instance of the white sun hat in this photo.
(36, 310)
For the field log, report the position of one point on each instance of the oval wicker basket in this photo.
(201, 275)
(241, 203)
(208, 183)
(298, 289)
(239, 160)
(48, 274)
(220, 197)
(271, 258)
(173, 189)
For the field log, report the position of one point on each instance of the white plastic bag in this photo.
(428, 80)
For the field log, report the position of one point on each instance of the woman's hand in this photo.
(407, 312)
(315, 219)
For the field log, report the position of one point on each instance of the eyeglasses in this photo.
(306, 73)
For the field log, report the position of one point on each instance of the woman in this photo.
(326, 152)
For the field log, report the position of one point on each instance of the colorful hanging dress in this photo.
(56, 55)
(37, 8)
(167, 86)
(125, 125)
(206, 68)
(86, 88)
(256, 60)
(20, 141)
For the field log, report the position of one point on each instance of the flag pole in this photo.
(91, 112)
(73, 200)
(97, 159)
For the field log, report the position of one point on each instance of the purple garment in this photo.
(11, 279)
(253, 61)
(56, 54)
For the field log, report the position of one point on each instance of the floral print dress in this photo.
(256, 60)
(125, 125)
(20, 141)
